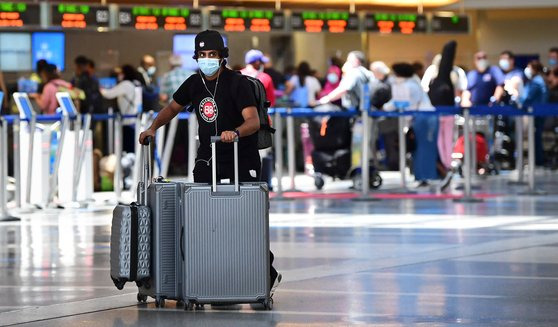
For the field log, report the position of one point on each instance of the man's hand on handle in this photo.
(228, 136)
(145, 134)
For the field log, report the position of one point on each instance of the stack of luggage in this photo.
(194, 243)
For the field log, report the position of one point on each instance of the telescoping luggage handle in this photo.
(146, 162)
(214, 141)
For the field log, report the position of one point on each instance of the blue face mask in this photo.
(505, 64)
(332, 78)
(552, 62)
(209, 66)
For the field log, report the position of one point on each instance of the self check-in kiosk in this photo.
(76, 156)
(35, 141)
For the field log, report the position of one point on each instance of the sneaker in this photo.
(275, 284)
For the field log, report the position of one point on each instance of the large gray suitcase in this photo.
(130, 241)
(226, 241)
(165, 282)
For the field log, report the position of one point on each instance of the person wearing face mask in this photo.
(255, 61)
(513, 77)
(225, 106)
(535, 92)
(355, 75)
(302, 88)
(127, 93)
(333, 77)
(150, 90)
(485, 84)
(147, 69)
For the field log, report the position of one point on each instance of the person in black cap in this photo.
(225, 106)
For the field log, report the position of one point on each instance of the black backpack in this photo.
(265, 132)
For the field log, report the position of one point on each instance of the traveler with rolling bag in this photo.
(226, 106)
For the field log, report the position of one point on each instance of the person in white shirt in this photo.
(128, 97)
(303, 88)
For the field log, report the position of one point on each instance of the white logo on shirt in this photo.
(208, 110)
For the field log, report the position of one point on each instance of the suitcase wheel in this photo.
(142, 298)
(376, 181)
(199, 306)
(119, 283)
(159, 302)
(268, 304)
(189, 306)
(319, 182)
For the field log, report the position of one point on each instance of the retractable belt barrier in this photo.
(546, 110)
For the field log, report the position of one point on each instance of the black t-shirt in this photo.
(222, 113)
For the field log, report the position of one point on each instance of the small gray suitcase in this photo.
(165, 282)
(130, 244)
(130, 241)
(226, 241)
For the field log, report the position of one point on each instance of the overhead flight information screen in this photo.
(450, 24)
(80, 16)
(154, 18)
(18, 14)
(232, 20)
(333, 22)
(395, 23)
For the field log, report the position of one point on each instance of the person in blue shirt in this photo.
(513, 77)
(535, 92)
(485, 84)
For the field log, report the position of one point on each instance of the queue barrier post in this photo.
(110, 130)
(365, 152)
(4, 214)
(532, 190)
(279, 156)
(192, 144)
(291, 150)
(117, 181)
(467, 171)
(400, 107)
(519, 162)
(169, 144)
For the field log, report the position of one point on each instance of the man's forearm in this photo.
(249, 127)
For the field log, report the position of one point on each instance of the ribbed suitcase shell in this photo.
(226, 244)
(164, 202)
(120, 243)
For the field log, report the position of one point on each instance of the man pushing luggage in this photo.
(225, 105)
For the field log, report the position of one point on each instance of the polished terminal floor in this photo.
(419, 262)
